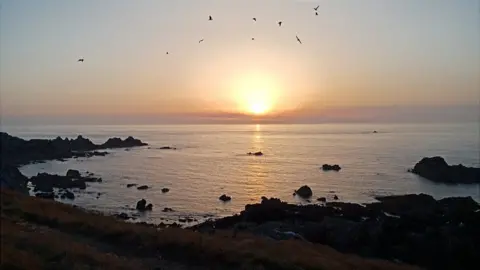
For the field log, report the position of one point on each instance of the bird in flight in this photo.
(299, 41)
(200, 41)
(255, 19)
(253, 38)
(210, 18)
(316, 8)
(167, 52)
(280, 23)
(80, 60)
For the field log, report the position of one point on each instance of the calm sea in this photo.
(211, 161)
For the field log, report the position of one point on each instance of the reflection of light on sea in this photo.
(257, 168)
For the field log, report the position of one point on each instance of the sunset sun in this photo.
(258, 108)
(255, 94)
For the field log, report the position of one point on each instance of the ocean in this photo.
(211, 160)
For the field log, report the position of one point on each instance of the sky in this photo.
(359, 59)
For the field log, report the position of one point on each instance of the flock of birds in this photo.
(210, 18)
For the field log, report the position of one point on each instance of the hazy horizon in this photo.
(359, 61)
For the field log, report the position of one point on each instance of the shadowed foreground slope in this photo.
(43, 234)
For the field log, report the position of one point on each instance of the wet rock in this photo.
(304, 192)
(327, 167)
(165, 190)
(142, 205)
(69, 195)
(142, 187)
(45, 195)
(335, 197)
(131, 185)
(45, 182)
(322, 199)
(255, 153)
(225, 198)
(166, 209)
(122, 216)
(73, 174)
(436, 169)
(149, 206)
(167, 148)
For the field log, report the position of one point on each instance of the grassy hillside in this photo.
(43, 234)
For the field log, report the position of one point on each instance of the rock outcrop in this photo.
(304, 192)
(17, 151)
(437, 169)
(143, 206)
(11, 178)
(412, 228)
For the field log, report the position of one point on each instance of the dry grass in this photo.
(219, 250)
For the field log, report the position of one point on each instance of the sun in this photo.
(255, 94)
(258, 108)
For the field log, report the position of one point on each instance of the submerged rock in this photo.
(436, 169)
(225, 198)
(165, 190)
(166, 209)
(328, 167)
(304, 192)
(131, 185)
(142, 187)
(167, 148)
(255, 153)
(322, 199)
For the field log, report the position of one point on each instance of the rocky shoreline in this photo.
(17, 151)
(415, 228)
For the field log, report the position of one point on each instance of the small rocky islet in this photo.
(414, 228)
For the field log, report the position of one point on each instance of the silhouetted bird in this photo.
(253, 38)
(167, 52)
(210, 18)
(316, 8)
(255, 19)
(299, 41)
(200, 41)
(80, 60)
(316, 13)
(280, 23)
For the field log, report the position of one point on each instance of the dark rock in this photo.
(142, 205)
(142, 187)
(436, 169)
(69, 195)
(46, 195)
(304, 192)
(45, 182)
(375, 131)
(119, 143)
(225, 198)
(149, 206)
(165, 190)
(17, 151)
(123, 216)
(131, 185)
(335, 197)
(11, 178)
(327, 167)
(322, 199)
(167, 148)
(166, 209)
(73, 174)
(255, 153)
